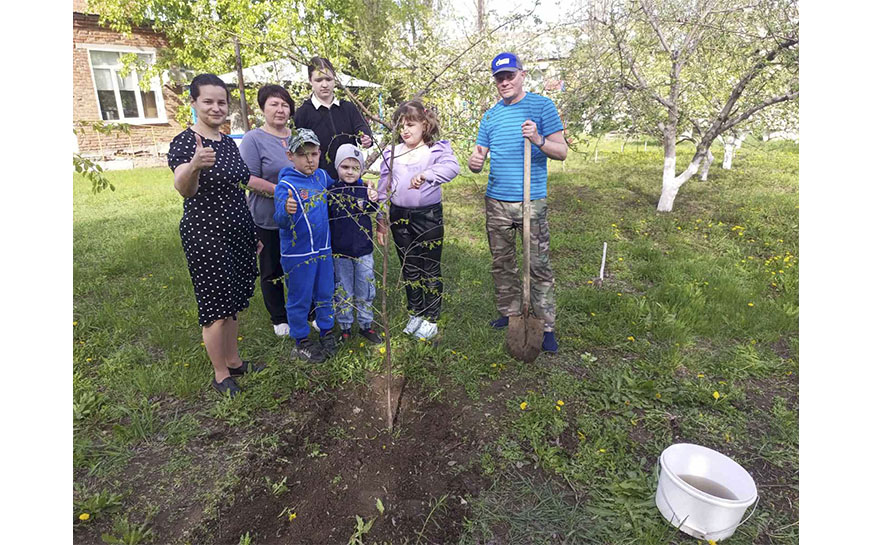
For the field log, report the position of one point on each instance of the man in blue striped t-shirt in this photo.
(502, 131)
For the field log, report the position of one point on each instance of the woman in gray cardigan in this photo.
(264, 151)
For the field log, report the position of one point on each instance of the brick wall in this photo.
(143, 139)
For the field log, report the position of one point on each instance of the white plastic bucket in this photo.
(694, 511)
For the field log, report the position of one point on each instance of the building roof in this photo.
(284, 70)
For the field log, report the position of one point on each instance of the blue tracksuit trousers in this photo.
(310, 279)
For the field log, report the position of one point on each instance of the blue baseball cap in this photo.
(506, 62)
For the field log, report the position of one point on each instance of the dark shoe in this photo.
(308, 351)
(225, 386)
(328, 344)
(246, 367)
(345, 335)
(500, 323)
(549, 343)
(371, 335)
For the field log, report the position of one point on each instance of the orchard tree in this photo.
(704, 66)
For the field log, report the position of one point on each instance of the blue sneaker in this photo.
(549, 343)
(500, 323)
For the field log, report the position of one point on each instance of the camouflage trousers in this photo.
(504, 220)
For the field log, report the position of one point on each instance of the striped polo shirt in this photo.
(500, 131)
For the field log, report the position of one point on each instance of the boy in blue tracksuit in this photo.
(301, 214)
(351, 240)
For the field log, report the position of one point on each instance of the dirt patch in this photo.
(338, 465)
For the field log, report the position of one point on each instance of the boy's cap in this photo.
(506, 62)
(300, 137)
(349, 151)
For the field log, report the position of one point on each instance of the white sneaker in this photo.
(314, 325)
(282, 330)
(427, 330)
(413, 325)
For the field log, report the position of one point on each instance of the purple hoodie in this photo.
(439, 167)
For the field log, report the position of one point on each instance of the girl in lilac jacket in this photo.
(411, 180)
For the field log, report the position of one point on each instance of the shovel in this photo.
(524, 338)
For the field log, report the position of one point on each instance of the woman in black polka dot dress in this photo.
(217, 231)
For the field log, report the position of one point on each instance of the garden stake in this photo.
(525, 334)
(599, 281)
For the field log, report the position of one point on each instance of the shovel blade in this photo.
(524, 339)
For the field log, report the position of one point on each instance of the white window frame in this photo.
(114, 71)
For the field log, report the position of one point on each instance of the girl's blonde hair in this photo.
(414, 110)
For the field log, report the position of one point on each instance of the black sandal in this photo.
(246, 367)
(225, 386)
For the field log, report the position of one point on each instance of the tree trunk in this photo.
(240, 84)
(481, 18)
(731, 144)
(671, 182)
(707, 162)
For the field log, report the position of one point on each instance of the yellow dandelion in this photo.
(750, 304)
(238, 338)
(557, 407)
(560, 402)
(590, 281)
(657, 395)
(602, 450)
(523, 405)
(361, 345)
(187, 365)
(716, 395)
(75, 324)
(631, 338)
(87, 359)
(382, 350)
(620, 294)
(700, 375)
(620, 259)
(291, 517)
(84, 516)
(351, 351)
(593, 313)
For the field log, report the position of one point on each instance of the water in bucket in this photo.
(708, 486)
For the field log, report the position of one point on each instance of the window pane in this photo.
(149, 104)
(128, 89)
(145, 57)
(127, 83)
(103, 79)
(108, 107)
(104, 58)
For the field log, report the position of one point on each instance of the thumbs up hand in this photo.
(476, 160)
(203, 157)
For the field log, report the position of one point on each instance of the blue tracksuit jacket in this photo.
(305, 248)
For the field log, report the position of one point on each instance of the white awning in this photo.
(286, 71)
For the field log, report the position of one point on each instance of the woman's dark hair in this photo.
(322, 64)
(268, 91)
(207, 79)
(414, 110)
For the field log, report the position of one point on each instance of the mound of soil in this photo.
(342, 459)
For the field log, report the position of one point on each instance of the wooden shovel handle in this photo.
(527, 214)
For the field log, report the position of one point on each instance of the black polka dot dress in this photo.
(218, 234)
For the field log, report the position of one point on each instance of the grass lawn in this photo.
(693, 337)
